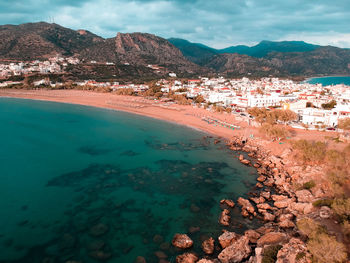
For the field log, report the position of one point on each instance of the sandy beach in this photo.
(180, 114)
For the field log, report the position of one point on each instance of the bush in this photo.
(326, 249)
(308, 185)
(341, 207)
(274, 131)
(270, 254)
(323, 202)
(310, 151)
(344, 124)
(309, 227)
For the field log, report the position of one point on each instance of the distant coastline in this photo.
(309, 80)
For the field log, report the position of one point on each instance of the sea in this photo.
(88, 185)
(327, 81)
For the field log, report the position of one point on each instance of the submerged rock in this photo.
(187, 258)
(140, 259)
(228, 202)
(98, 230)
(208, 246)
(225, 218)
(182, 241)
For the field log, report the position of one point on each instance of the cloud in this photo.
(215, 23)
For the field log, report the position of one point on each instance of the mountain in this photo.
(38, 40)
(142, 56)
(147, 49)
(265, 47)
(195, 52)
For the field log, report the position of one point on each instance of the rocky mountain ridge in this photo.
(132, 54)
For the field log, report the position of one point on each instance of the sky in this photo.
(215, 23)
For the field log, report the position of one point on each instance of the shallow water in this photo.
(78, 183)
(326, 81)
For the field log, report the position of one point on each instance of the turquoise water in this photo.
(326, 81)
(79, 183)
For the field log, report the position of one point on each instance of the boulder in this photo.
(304, 196)
(278, 197)
(245, 161)
(261, 178)
(265, 194)
(225, 218)
(246, 205)
(258, 254)
(208, 246)
(228, 202)
(187, 258)
(283, 203)
(325, 212)
(268, 217)
(269, 182)
(264, 206)
(236, 252)
(286, 224)
(272, 238)
(291, 252)
(227, 238)
(252, 235)
(257, 200)
(182, 241)
(301, 208)
(241, 157)
(283, 217)
(204, 260)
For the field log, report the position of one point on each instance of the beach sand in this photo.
(180, 114)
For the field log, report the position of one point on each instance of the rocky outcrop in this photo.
(294, 251)
(182, 241)
(236, 252)
(227, 202)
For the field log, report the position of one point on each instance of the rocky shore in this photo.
(276, 201)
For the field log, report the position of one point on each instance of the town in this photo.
(317, 106)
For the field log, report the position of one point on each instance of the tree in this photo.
(199, 99)
(277, 132)
(330, 105)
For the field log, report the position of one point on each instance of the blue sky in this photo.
(215, 23)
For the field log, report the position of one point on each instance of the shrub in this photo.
(309, 227)
(308, 185)
(341, 207)
(326, 249)
(274, 131)
(323, 202)
(310, 151)
(344, 124)
(270, 254)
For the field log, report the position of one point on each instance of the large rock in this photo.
(301, 208)
(291, 252)
(272, 238)
(258, 200)
(246, 205)
(187, 258)
(227, 238)
(264, 206)
(283, 203)
(228, 202)
(304, 196)
(278, 197)
(225, 218)
(286, 224)
(325, 212)
(252, 235)
(204, 260)
(182, 241)
(268, 217)
(236, 252)
(208, 246)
